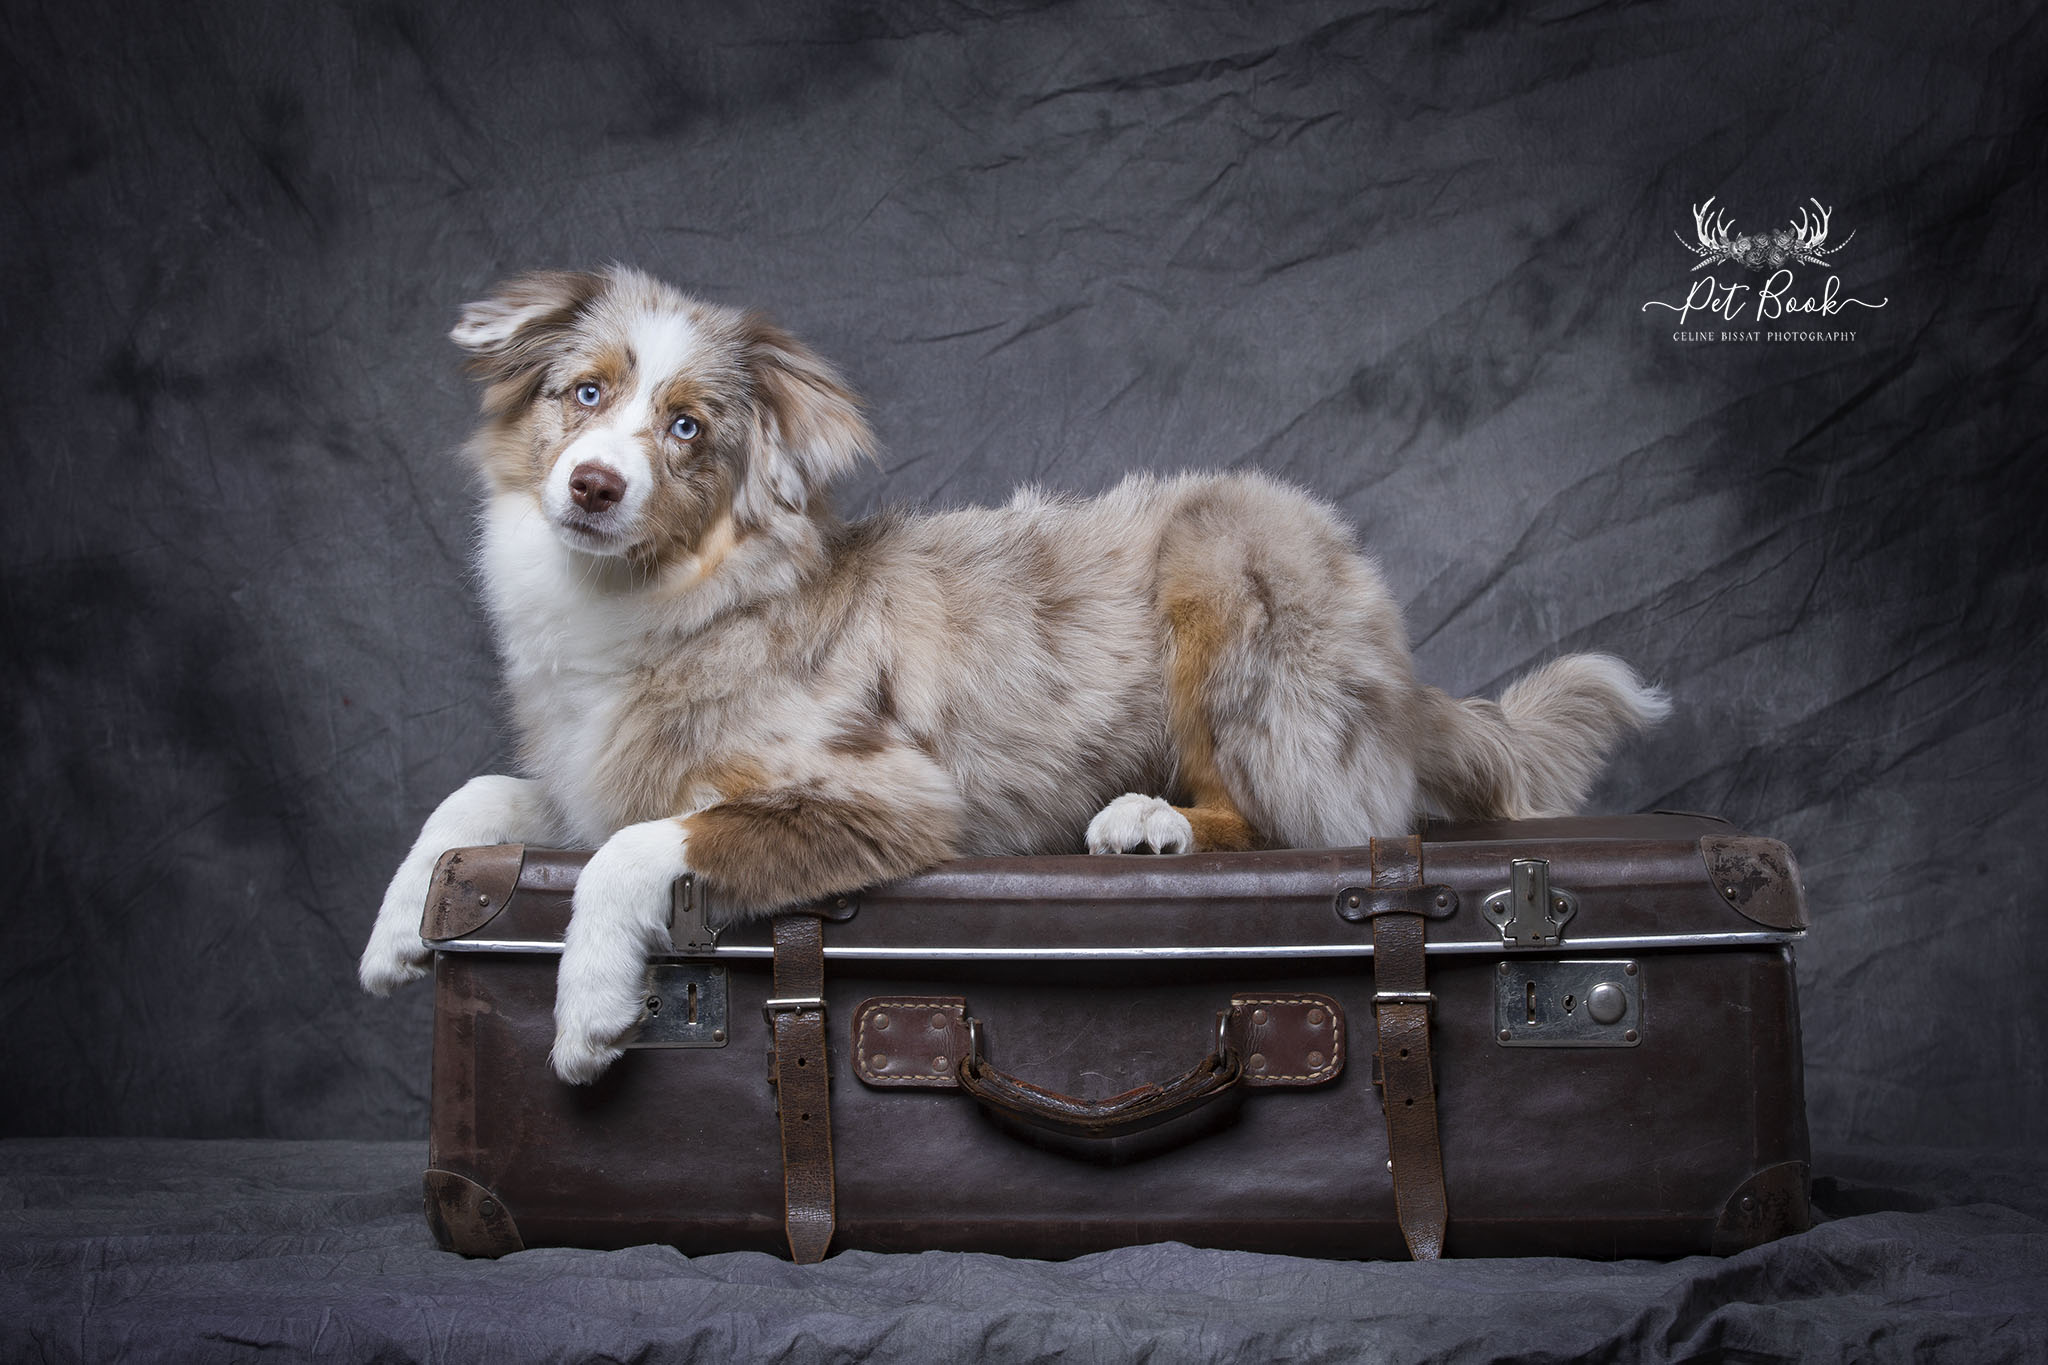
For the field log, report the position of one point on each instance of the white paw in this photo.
(621, 915)
(484, 810)
(396, 953)
(578, 1059)
(1133, 822)
(393, 957)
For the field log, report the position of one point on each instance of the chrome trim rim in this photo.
(845, 952)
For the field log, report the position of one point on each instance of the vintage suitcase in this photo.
(1572, 1036)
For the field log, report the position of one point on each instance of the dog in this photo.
(710, 673)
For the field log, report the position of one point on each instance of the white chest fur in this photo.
(570, 641)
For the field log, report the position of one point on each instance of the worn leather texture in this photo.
(1294, 1039)
(1146, 1106)
(1403, 1007)
(466, 1217)
(1632, 875)
(914, 1040)
(469, 888)
(803, 1087)
(1083, 1142)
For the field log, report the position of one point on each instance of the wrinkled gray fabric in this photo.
(1399, 254)
(156, 1250)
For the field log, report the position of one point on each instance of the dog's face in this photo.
(647, 424)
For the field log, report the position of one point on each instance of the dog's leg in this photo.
(1198, 630)
(1220, 828)
(1286, 737)
(1289, 697)
(620, 916)
(855, 824)
(484, 810)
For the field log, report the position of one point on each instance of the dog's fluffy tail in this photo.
(1537, 750)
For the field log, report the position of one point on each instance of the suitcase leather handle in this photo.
(1147, 1106)
(1287, 1039)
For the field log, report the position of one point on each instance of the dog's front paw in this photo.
(396, 953)
(621, 914)
(581, 1053)
(392, 960)
(598, 998)
(1133, 822)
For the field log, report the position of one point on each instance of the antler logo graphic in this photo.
(1804, 241)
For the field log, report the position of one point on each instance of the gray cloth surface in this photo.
(227, 1250)
(1399, 254)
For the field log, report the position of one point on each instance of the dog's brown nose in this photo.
(595, 488)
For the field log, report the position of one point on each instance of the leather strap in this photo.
(1401, 1005)
(803, 1085)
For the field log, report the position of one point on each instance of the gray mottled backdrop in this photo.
(1397, 254)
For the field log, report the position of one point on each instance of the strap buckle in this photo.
(791, 1004)
(1427, 998)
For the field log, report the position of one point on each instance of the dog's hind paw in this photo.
(1133, 822)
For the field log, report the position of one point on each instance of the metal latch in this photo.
(1541, 1003)
(688, 930)
(685, 1006)
(1531, 913)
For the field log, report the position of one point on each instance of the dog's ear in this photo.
(808, 429)
(517, 329)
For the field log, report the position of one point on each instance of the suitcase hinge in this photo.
(1531, 913)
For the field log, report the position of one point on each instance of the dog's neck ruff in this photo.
(575, 632)
(531, 575)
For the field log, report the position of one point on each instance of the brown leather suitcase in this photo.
(1570, 1037)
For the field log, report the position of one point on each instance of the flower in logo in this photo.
(1805, 241)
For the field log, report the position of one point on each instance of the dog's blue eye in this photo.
(683, 428)
(588, 394)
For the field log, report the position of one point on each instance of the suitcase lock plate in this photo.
(685, 1006)
(1531, 913)
(1540, 1003)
